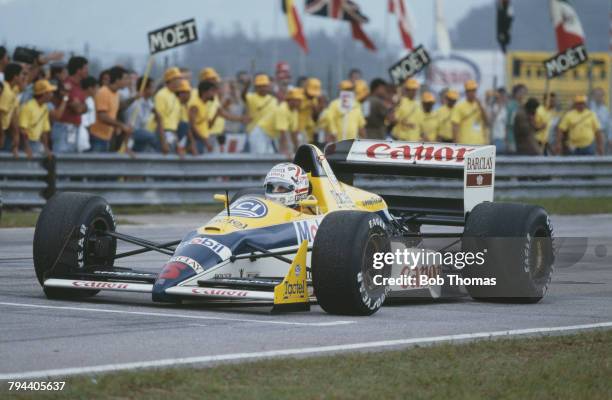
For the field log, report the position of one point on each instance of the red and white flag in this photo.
(398, 8)
(567, 24)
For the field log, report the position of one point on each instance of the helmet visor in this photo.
(278, 187)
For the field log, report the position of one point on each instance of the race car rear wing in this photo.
(475, 165)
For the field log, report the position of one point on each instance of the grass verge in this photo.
(12, 218)
(569, 367)
(571, 206)
(17, 218)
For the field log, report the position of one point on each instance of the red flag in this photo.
(568, 28)
(403, 21)
(294, 24)
(359, 34)
(345, 10)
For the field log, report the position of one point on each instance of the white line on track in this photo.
(172, 315)
(172, 362)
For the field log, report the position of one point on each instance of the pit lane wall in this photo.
(156, 179)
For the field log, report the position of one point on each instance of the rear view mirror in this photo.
(308, 203)
(222, 198)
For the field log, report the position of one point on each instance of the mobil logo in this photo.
(249, 207)
(307, 229)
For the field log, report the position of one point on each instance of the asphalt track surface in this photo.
(113, 331)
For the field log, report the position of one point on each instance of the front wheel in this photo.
(343, 274)
(67, 240)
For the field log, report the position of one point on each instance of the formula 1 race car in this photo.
(342, 247)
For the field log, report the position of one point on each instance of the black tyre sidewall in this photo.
(508, 232)
(339, 264)
(69, 215)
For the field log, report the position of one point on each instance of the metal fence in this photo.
(157, 179)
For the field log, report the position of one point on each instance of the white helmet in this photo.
(287, 184)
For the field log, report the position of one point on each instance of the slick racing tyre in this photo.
(517, 245)
(66, 240)
(342, 263)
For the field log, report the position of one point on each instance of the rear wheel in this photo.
(67, 240)
(516, 240)
(343, 276)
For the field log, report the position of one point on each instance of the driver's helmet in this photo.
(287, 184)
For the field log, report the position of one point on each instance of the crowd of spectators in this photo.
(48, 107)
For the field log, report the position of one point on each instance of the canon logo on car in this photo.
(219, 292)
(419, 152)
(100, 285)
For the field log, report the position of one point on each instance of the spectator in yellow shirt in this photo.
(343, 124)
(582, 130)
(217, 121)
(544, 120)
(168, 109)
(1, 90)
(310, 109)
(260, 103)
(34, 120)
(14, 81)
(362, 91)
(469, 118)
(277, 131)
(407, 114)
(199, 122)
(183, 93)
(445, 126)
(217, 112)
(429, 119)
(107, 107)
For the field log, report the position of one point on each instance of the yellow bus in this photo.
(527, 67)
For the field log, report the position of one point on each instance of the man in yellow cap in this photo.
(445, 126)
(345, 119)
(310, 109)
(545, 117)
(407, 115)
(276, 132)
(581, 129)
(209, 74)
(184, 135)
(34, 122)
(429, 119)
(199, 113)
(362, 91)
(260, 103)
(168, 110)
(469, 118)
(217, 112)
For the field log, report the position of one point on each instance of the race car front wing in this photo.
(287, 294)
